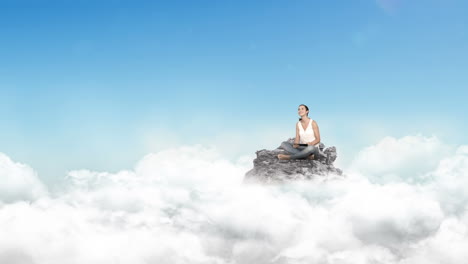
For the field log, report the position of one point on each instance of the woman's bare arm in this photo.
(296, 140)
(316, 134)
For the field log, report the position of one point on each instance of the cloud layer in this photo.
(18, 181)
(409, 158)
(188, 205)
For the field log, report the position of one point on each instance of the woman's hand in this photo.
(295, 145)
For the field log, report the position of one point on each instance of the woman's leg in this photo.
(289, 148)
(309, 150)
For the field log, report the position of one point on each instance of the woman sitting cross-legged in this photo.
(307, 132)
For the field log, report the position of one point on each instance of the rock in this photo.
(269, 169)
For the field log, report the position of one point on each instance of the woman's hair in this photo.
(307, 108)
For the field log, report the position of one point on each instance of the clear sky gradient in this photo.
(98, 84)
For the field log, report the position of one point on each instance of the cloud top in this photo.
(18, 181)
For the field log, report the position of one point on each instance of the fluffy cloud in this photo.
(18, 181)
(392, 160)
(447, 246)
(188, 205)
(450, 181)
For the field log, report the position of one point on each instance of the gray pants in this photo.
(301, 151)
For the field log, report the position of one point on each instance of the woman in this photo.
(307, 132)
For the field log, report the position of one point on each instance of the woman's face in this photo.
(301, 111)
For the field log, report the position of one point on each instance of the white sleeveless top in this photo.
(307, 135)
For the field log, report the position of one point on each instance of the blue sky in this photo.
(99, 84)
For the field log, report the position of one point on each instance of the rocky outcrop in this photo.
(269, 169)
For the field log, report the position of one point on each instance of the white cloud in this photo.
(451, 181)
(18, 181)
(448, 246)
(187, 205)
(405, 159)
(191, 167)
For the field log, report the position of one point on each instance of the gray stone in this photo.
(269, 169)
